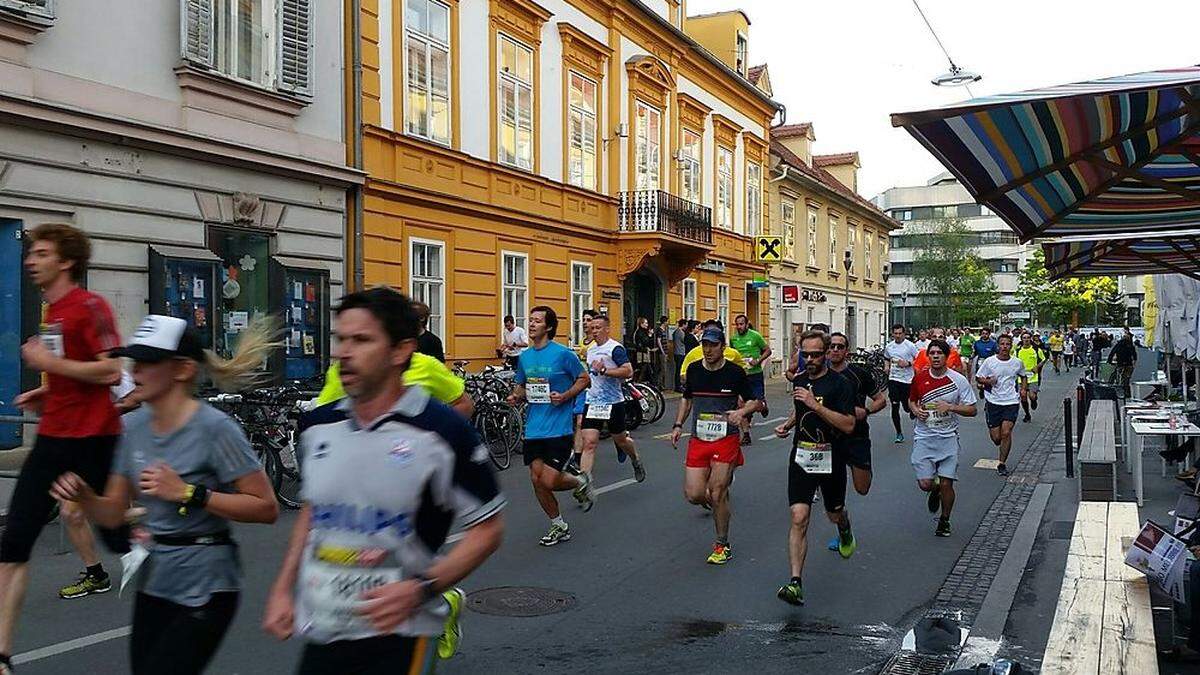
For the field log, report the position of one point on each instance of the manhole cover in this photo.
(1062, 529)
(520, 601)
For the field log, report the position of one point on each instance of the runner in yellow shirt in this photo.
(423, 371)
(731, 355)
(1056, 349)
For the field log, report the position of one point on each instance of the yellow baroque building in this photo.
(573, 153)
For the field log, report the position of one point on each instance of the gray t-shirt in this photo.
(210, 450)
(677, 342)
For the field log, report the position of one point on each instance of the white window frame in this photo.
(431, 44)
(868, 259)
(691, 170)
(580, 300)
(287, 40)
(688, 291)
(741, 54)
(436, 321)
(724, 197)
(514, 293)
(44, 9)
(852, 246)
(723, 304)
(647, 163)
(753, 199)
(578, 153)
(787, 215)
(813, 218)
(520, 87)
(833, 244)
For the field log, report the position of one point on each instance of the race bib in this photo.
(537, 390)
(51, 336)
(599, 411)
(814, 458)
(937, 419)
(711, 426)
(333, 584)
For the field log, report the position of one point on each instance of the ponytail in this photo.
(243, 369)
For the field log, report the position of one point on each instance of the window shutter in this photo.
(295, 46)
(196, 32)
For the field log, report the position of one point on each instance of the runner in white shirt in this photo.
(1002, 401)
(900, 353)
(608, 365)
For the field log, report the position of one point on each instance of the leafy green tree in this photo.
(1072, 300)
(947, 266)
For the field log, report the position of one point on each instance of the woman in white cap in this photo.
(193, 470)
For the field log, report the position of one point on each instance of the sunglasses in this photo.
(836, 346)
(813, 355)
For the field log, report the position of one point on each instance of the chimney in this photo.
(796, 137)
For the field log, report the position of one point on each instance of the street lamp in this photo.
(884, 274)
(904, 309)
(847, 263)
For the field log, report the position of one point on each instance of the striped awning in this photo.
(1116, 155)
(1124, 254)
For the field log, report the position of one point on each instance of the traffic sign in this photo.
(768, 249)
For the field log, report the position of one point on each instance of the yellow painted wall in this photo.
(718, 33)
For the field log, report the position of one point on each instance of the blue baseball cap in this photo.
(713, 335)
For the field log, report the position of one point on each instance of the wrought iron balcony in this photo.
(658, 211)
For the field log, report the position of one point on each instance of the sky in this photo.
(846, 65)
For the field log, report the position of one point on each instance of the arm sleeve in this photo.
(966, 393)
(442, 384)
(231, 455)
(620, 356)
(99, 332)
(687, 381)
(122, 461)
(440, 349)
(914, 391)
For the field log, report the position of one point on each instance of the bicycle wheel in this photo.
(651, 404)
(491, 431)
(284, 473)
(513, 429)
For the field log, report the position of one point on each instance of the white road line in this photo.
(771, 421)
(70, 645)
(615, 486)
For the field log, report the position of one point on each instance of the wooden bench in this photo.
(1098, 454)
(1103, 623)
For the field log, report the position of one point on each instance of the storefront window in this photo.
(243, 284)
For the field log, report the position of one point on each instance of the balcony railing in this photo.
(658, 211)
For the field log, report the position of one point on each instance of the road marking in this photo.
(770, 421)
(990, 464)
(615, 486)
(663, 437)
(70, 645)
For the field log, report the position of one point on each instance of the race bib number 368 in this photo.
(815, 458)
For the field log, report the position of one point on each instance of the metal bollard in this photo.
(1067, 434)
(1080, 413)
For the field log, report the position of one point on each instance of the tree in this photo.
(1074, 300)
(947, 265)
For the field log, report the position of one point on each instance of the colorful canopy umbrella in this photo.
(1116, 155)
(1124, 254)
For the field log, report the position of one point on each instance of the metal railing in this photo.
(658, 211)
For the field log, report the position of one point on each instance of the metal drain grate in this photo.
(1062, 529)
(523, 601)
(912, 663)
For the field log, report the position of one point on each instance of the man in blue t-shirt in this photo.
(549, 375)
(985, 346)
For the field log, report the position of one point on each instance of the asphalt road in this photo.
(635, 570)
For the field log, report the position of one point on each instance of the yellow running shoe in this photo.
(721, 554)
(452, 632)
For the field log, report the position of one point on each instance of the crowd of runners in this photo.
(400, 502)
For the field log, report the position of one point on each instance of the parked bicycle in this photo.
(501, 426)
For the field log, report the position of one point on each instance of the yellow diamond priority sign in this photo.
(768, 249)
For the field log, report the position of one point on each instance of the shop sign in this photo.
(791, 295)
(812, 295)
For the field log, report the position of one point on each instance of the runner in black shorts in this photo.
(901, 353)
(549, 376)
(823, 417)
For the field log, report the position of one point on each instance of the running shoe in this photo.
(721, 554)
(765, 410)
(1002, 469)
(934, 502)
(1027, 418)
(1033, 404)
(621, 456)
(452, 632)
(943, 528)
(86, 585)
(792, 593)
(555, 535)
(834, 543)
(848, 545)
(899, 438)
(584, 493)
(639, 470)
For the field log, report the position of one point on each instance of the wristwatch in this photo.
(677, 425)
(428, 587)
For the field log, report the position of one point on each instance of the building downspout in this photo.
(783, 176)
(356, 108)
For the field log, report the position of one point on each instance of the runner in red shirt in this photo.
(79, 426)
